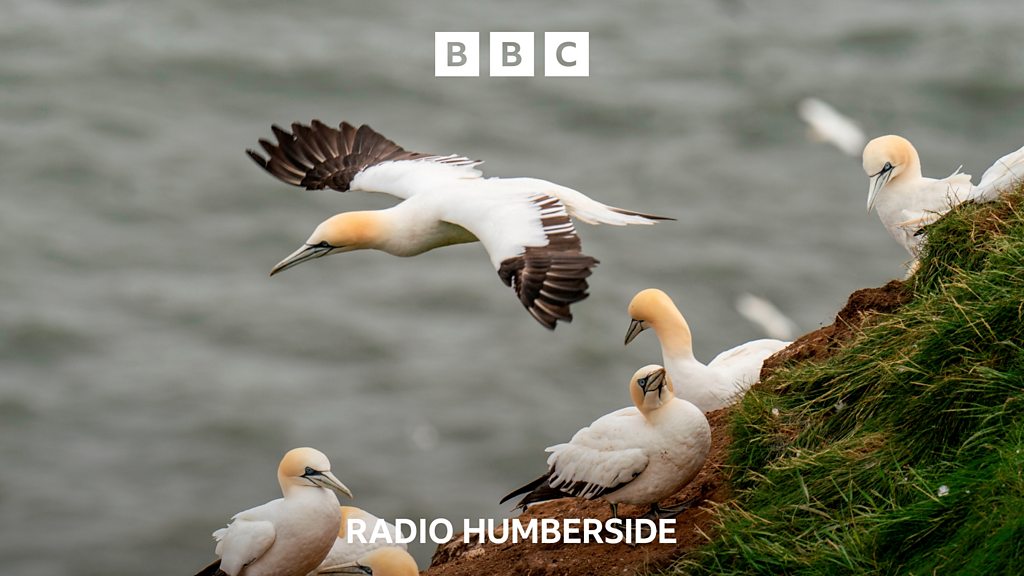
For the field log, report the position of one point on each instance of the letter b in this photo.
(456, 54)
(511, 53)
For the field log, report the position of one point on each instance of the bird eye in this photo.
(309, 471)
(887, 167)
(642, 381)
(324, 244)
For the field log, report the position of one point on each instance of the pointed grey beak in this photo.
(307, 252)
(635, 328)
(655, 381)
(327, 480)
(875, 184)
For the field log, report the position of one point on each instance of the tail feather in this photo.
(212, 570)
(582, 207)
(537, 491)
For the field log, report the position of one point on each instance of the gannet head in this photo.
(307, 467)
(650, 388)
(343, 232)
(388, 561)
(652, 308)
(353, 513)
(886, 158)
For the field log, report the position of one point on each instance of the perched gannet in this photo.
(523, 223)
(348, 549)
(380, 562)
(289, 536)
(906, 202)
(638, 455)
(712, 386)
(828, 125)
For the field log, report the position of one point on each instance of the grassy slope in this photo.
(904, 452)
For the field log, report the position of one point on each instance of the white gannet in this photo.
(828, 125)
(289, 536)
(346, 549)
(906, 202)
(523, 223)
(767, 316)
(715, 385)
(638, 455)
(380, 562)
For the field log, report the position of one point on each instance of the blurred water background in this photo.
(152, 375)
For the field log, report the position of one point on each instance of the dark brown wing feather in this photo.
(318, 156)
(549, 278)
(212, 570)
(541, 490)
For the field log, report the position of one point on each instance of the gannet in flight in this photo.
(906, 202)
(347, 549)
(380, 562)
(638, 455)
(715, 385)
(828, 125)
(289, 536)
(767, 316)
(523, 223)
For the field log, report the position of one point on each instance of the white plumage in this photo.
(348, 548)
(719, 383)
(524, 224)
(906, 201)
(828, 125)
(289, 536)
(638, 455)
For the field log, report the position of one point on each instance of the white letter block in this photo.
(566, 53)
(511, 53)
(456, 54)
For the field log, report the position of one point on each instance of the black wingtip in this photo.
(256, 157)
(642, 214)
(524, 489)
(212, 570)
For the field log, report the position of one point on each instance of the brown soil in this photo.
(824, 342)
(694, 526)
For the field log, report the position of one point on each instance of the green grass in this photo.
(904, 452)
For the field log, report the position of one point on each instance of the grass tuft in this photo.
(904, 451)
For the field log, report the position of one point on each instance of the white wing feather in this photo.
(1001, 175)
(602, 455)
(248, 537)
(828, 125)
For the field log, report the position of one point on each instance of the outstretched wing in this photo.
(318, 156)
(532, 244)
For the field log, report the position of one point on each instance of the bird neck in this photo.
(910, 170)
(651, 403)
(674, 334)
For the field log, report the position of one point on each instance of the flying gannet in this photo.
(638, 455)
(906, 202)
(715, 385)
(763, 313)
(348, 548)
(826, 124)
(523, 223)
(380, 562)
(289, 536)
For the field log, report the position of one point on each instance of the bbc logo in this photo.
(511, 54)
